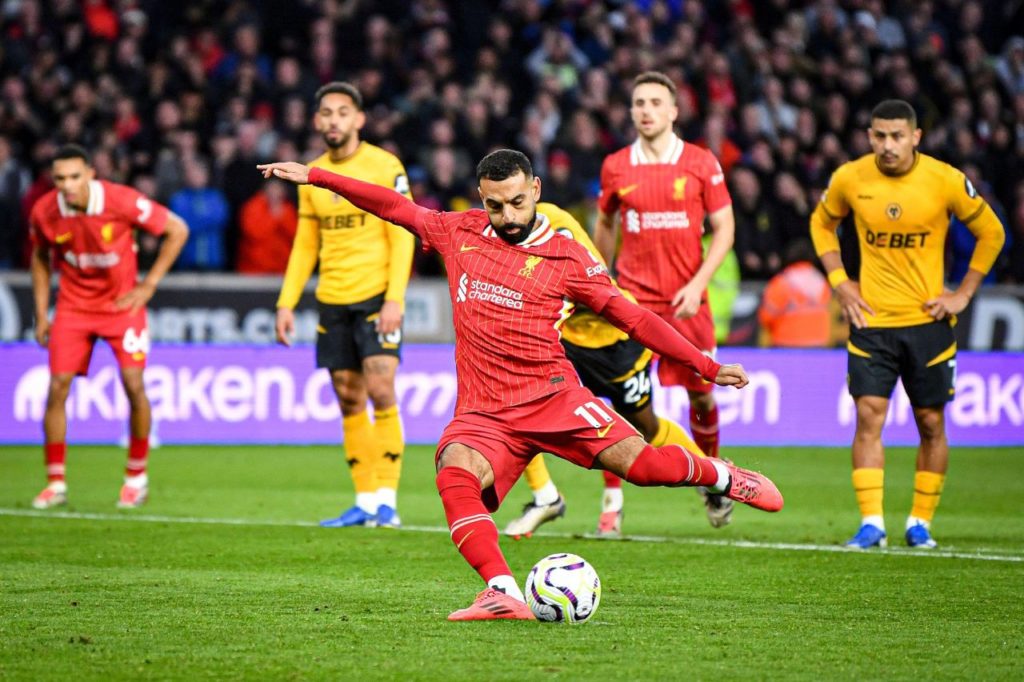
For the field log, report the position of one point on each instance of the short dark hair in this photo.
(503, 164)
(658, 78)
(895, 109)
(72, 151)
(341, 88)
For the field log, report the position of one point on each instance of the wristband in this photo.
(837, 277)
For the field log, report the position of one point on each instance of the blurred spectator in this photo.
(961, 240)
(794, 310)
(757, 240)
(205, 210)
(14, 182)
(268, 221)
(561, 186)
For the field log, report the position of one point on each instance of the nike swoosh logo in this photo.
(464, 248)
(626, 190)
(602, 432)
(61, 238)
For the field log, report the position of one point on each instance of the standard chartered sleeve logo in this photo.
(460, 295)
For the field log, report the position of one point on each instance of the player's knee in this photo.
(60, 386)
(703, 402)
(870, 415)
(930, 424)
(382, 394)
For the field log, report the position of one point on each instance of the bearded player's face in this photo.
(511, 204)
(72, 176)
(893, 141)
(653, 110)
(338, 119)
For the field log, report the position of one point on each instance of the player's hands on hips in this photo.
(286, 170)
(852, 303)
(946, 304)
(390, 318)
(137, 298)
(687, 301)
(43, 331)
(284, 326)
(732, 375)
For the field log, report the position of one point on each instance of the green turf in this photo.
(134, 595)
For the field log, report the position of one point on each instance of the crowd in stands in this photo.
(183, 99)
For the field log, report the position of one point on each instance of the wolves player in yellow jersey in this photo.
(900, 316)
(613, 366)
(359, 337)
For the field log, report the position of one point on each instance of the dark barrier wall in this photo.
(237, 309)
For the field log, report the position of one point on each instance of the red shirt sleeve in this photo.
(38, 232)
(587, 279)
(136, 208)
(716, 193)
(382, 202)
(607, 200)
(655, 333)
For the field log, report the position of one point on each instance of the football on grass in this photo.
(563, 588)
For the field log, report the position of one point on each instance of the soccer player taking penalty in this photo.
(512, 280)
(359, 335)
(901, 317)
(88, 225)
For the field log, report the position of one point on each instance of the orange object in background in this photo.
(795, 310)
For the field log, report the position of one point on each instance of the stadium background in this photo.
(183, 99)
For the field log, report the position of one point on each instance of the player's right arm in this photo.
(825, 220)
(41, 272)
(301, 262)
(605, 235)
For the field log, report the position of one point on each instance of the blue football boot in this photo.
(355, 516)
(919, 537)
(867, 536)
(387, 517)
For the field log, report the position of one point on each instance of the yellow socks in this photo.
(390, 442)
(361, 453)
(670, 433)
(868, 484)
(927, 491)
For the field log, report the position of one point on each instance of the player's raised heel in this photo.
(356, 516)
(918, 536)
(867, 536)
(53, 495)
(753, 489)
(494, 604)
(132, 497)
(534, 516)
(387, 517)
(609, 525)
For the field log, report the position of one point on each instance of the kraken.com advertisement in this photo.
(271, 394)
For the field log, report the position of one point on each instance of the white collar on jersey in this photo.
(94, 207)
(542, 232)
(637, 157)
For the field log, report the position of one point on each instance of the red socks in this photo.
(611, 480)
(138, 452)
(671, 465)
(704, 427)
(55, 455)
(472, 529)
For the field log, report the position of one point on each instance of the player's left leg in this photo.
(379, 372)
(932, 464)
(135, 490)
(55, 426)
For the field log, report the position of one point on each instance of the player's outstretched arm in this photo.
(382, 202)
(175, 236)
(647, 328)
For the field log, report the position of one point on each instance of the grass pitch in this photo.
(225, 575)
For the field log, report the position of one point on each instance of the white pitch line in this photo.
(979, 555)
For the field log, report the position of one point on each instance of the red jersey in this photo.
(508, 304)
(662, 204)
(95, 249)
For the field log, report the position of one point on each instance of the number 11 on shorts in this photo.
(590, 411)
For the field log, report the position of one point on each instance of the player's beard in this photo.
(518, 237)
(339, 143)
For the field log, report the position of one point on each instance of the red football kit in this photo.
(96, 261)
(518, 394)
(662, 204)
